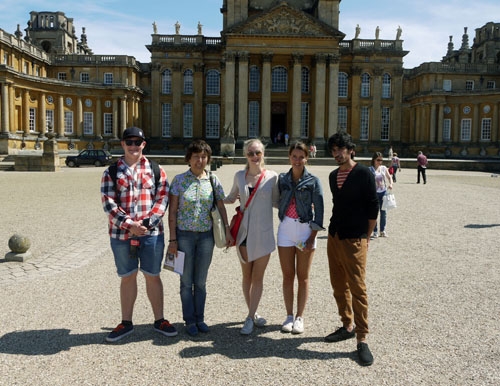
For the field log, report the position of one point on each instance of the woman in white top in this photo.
(255, 240)
(382, 175)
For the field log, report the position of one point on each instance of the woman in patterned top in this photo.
(190, 223)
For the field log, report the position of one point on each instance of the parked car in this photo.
(89, 157)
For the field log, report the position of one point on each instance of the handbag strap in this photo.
(214, 204)
(254, 189)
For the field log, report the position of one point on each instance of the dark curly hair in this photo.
(198, 146)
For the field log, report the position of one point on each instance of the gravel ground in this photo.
(433, 290)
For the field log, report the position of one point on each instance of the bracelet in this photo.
(172, 241)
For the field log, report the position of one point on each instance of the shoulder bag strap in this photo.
(213, 189)
(255, 189)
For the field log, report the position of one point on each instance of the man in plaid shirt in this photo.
(135, 206)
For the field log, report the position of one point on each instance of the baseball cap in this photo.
(133, 132)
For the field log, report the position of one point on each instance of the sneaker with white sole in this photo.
(247, 326)
(259, 321)
(374, 235)
(120, 331)
(384, 234)
(298, 325)
(287, 324)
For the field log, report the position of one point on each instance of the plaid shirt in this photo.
(138, 199)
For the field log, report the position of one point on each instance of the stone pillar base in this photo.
(20, 257)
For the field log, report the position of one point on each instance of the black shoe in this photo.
(340, 335)
(121, 331)
(364, 354)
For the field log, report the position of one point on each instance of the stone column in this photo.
(432, 125)
(440, 122)
(177, 90)
(319, 99)
(198, 82)
(98, 118)
(42, 116)
(455, 130)
(495, 129)
(296, 95)
(475, 134)
(59, 129)
(243, 95)
(333, 94)
(266, 96)
(79, 117)
(376, 118)
(155, 100)
(5, 108)
(116, 134)
(25, 112)
(229, 89)
(123, 113)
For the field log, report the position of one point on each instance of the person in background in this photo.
(382, 175)
(421, 167)
(312, 150)
(135, 206)
(255, 240)
(396, 165)
(355, 209)
(190, 224)
(301, 217)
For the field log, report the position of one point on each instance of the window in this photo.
(447, 130)
(364, 123)
(279, 79)
(188, 120)
(386, 123)
(253, 119)
(68, 122)
(343, 85)
(84, 77)
(304, 120)
(5, 58)
(386, 86)
(490, 84)
(254, 79)
(108, 78)
(342, 121)
(465, 130)
(365, 85)
(49, 120)
(447, 85)
(88, 123)
(188, 82)
(305, 80)
(108, 124)
(32, 119)
(166, 82)
(26, 68)
(469, 85)
(166, 120)
(486, 129)
(213, 120)
(61, 76)
(213, 82)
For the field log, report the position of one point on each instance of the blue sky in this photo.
(426, 24)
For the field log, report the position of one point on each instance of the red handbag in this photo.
(234, 226)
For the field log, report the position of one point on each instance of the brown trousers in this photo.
(347, 262)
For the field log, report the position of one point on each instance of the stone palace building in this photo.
(278, 67)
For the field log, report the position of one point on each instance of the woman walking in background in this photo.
(190, 222)
(301, 216)
(396, 165)
(255, 240)
(382, 175)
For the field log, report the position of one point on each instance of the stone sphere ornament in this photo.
(19, 244)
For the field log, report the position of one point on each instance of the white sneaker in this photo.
(384, 234)
(298, 325)
(259, 321)
(247, 327)
(287, 324)
(374, 235)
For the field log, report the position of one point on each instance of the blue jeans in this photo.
(383, 213)
(199, 248)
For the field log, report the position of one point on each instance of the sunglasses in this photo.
(136, 142)
(254, 153)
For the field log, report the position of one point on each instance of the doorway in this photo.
(278, 123)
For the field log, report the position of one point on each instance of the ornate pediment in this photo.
(283, 20)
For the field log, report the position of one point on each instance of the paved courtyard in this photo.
(433, 287)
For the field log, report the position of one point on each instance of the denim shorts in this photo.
(149, 255)
(291, 231)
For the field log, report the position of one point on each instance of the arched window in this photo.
(188, 82)
(386, 86)
(279, 79)
(166, 82)
(365, 85)
(343, 85)
(254, 79)
(213, 82)
(305, 80)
